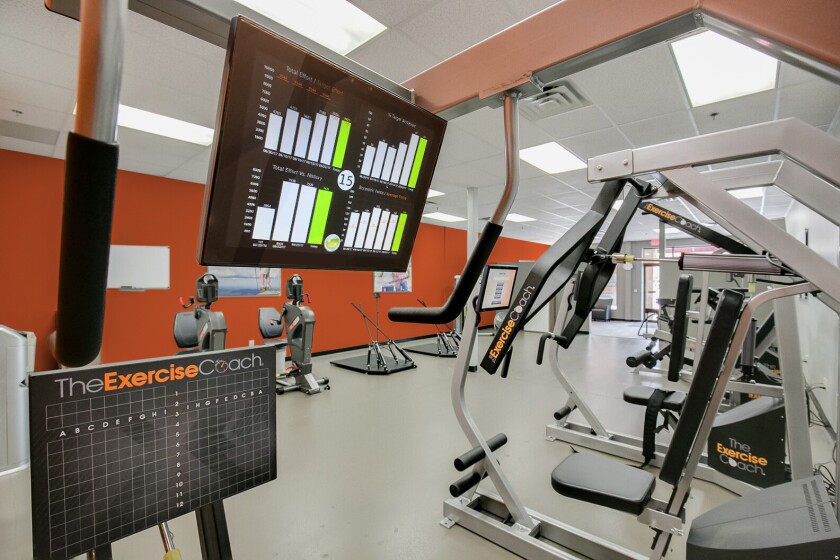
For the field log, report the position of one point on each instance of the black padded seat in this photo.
(641, 394)
(604, 482)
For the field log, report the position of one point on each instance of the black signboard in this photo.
(122, 447)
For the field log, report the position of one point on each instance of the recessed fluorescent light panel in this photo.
(153, 123)
(552, 158)
(433, 192)
(715, 68)
(752, 192)
(440, 216)
(513, 217)
(336, 24)
(669, 230)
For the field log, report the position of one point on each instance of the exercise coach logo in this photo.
(115, 381)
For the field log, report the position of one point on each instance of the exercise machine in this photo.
(382, 358)
(445, 344)
(299, 323)
(201, 329)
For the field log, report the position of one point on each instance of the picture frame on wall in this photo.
(392, 282)
(237, 281)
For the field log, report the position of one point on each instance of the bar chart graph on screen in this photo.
(398, 164)
(377, 229)
(320, 139)
(300, 215)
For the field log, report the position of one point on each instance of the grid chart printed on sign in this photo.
(120, 463)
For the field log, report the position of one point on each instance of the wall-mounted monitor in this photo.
(498, 285)
(312, 166)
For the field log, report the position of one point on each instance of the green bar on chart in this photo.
(319, 217)
(341, 144)
(395, 246)
(418, 159)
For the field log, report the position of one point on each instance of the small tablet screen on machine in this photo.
(498, 285)
(312, 166)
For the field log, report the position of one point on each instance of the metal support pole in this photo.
(793, 382)
(101, 47)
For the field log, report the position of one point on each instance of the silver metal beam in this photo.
(809, 146)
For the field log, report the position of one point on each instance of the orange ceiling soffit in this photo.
(576, 27)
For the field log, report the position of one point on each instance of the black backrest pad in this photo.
(185, 330)
(679, 326)
(270, 324)
(706, 377)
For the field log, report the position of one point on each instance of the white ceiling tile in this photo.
(656, 130)
(791, 75)
(18, 145)
(32, 115)
(462, 146)
(733, 113)
(394, 55)
(523, 9)
(163, 154)
(392, 12)
(178, 102)
(573, 123)
(185, 44)
(32, 22)
(531, 135)
(464, 175)
(636, 86)
(814, 102)
(485, 123)
(33, 92)
(36, 62)
(596, 143)
(451, 26)
(497, 166)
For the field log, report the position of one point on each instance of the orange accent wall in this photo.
(158, 211)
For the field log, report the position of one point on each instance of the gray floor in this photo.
(364, 467)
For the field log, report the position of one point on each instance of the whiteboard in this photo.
(139, 267)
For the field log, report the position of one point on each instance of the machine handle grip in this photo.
(458, 299)
(541, 347)
(90, 179)
(506, 364)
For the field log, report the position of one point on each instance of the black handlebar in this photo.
(458, 299)
(541, 347)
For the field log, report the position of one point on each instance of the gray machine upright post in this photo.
(14, 399)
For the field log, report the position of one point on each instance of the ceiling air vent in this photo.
(555, 98)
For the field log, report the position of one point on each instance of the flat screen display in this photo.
(498, 287)
(313, 167)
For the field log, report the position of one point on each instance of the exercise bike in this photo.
(298, 321)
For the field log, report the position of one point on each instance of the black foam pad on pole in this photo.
(90, 179)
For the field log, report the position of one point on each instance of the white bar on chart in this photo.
(367, 162)
(392, 228)
(303, 214)
(381, 149)
(409, 159)
(263, 223)
(272, 133)
(389, 163)
(363, 226)
(371, 232)
(398, 163)
(329, 140)
(352, 228)
(288, 140)
(380, 231)
(285, 211)
(317, 137)
(302, 141)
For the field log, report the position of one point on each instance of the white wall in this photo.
(819, 327)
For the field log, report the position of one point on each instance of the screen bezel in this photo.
(484, 279)
(411, 231)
